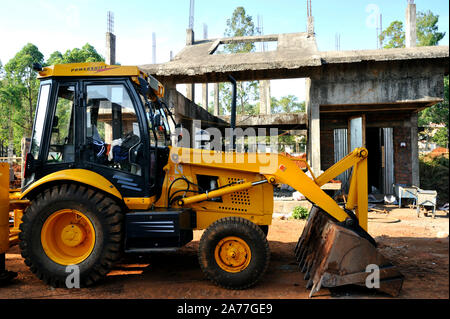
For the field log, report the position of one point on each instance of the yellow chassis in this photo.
(250, 196)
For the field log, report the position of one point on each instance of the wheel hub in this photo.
(72, 235)
(68, 237)
(232, 254)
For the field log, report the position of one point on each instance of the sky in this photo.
(61, 25)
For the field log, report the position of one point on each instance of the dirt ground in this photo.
(419, 247)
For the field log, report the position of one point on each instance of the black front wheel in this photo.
(71, 229)
(234, 253)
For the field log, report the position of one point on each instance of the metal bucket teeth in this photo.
(331, 255)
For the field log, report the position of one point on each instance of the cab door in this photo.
(115, 140)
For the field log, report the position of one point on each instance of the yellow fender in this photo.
(77, 175)
(4, 207)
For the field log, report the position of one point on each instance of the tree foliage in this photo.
(433, 172)
(240, 24)
(441, 137)
(427, 35)
(393, 35)
(427, 31)
(287, 104)
(438, 113)
(19, 93)
(86, 54)
(19, 90)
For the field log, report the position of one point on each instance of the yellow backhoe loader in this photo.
(102, 179)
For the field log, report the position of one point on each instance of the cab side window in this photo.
(62, 148)
(112, 127)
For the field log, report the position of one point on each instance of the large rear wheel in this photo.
(234, 253)
(71, 225)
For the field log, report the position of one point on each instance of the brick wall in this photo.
(402, 155)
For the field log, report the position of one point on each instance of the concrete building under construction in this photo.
(356, 98)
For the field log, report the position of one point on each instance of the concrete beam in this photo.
(279, 120)
(401, 106)
(185, 109)
(380, 83)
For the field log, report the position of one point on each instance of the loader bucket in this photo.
(331, 254)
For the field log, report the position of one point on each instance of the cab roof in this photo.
(90, 69)
(96, 69)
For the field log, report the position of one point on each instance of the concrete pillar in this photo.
(216, 99)
(190, 88)
(264, 97)
(110, 49)
(310, 27)
(415, 180)
(313, 111)
(205, 96)
(410, 29)
(189, 36)
(190, 92)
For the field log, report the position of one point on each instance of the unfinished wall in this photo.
(402, 155)
(399, 121)
(389, 93)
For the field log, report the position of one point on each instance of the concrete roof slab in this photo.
(296, 56)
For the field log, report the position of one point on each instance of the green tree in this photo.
(23, 84)
(19, 89)
(287, 104)
(11, 128)
(438, 113)
(86, 54)
(247, 93)
(441, 137)
(427, 35)
(240, 25)
(427, 29)
(427, 32)
(393, 35)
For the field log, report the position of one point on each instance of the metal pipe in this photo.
(219, 192)
(233, 112)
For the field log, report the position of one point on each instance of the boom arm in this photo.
(289, 173)
(357, 195)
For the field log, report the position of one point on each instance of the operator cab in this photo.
(107, 119)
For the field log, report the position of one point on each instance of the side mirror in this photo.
(157, 120)
(144, 88)
(37, 67)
